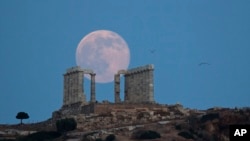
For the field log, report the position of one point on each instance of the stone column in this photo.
(81, 85)
(151, 84)
(65, 90)
(92, 88)
(127, 87)
(117, 88)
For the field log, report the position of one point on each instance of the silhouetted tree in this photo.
(21, 116)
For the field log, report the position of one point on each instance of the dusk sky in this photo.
(38, 41)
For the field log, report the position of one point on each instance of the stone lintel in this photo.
(140, 69)
(74, 69)
(79, 69)
(88, 71)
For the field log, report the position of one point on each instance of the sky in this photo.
(38, 41)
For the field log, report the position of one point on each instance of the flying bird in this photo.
(203, 63)
(152, 50)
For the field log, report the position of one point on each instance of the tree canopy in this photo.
(21, 116)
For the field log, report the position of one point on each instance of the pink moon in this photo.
(105, 52)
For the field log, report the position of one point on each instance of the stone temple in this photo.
(138, 91)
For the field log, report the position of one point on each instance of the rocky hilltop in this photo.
(127, 122)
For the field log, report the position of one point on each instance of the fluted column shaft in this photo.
(92, 88)
(117, 88)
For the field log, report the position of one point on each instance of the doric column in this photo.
(127, 87)
(117, 88)
(65, 90)
(151, 84)
(92, 88)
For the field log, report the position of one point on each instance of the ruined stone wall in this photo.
(88, 109)
(139, 85)
(73, 86)
(107, 108)
(104, 108)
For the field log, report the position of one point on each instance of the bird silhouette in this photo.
(203, 63)
(152, 50)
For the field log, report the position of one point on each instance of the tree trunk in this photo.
(21, 121)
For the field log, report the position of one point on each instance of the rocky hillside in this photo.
(171, 123)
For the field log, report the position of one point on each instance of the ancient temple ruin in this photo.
(138, 92)
(138, 107)
(139, 85)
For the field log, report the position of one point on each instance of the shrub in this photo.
(186, 135)
(65, 125)
(110, 138)
(178, 127)
(211, 116)
(41, 136)
(146, 134)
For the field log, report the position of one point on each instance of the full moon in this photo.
(103, 51)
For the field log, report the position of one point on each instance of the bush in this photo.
(186, 135)
(40, 136)
(110, 138)
(178, 127)
(65, 125)
(211, 116)
(99, 139)
(146, 134)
